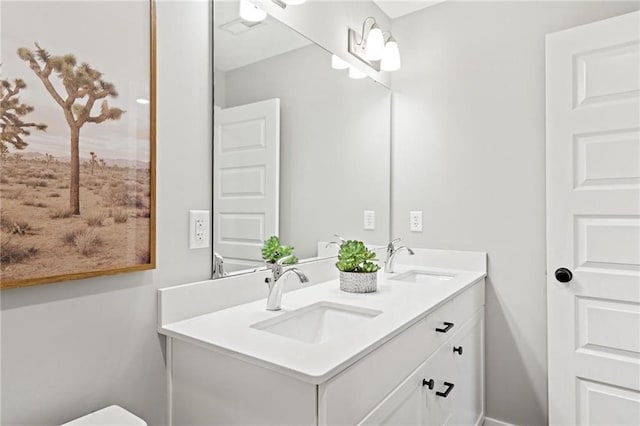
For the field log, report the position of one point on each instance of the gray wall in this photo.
(334, 145)
(70, 348)
(469, 150)
(219, 88)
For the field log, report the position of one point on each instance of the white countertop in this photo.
(402, 303)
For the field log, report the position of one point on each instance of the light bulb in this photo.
(375, 44)
(250, 12)
(338, 64)
(356, 74)
(294, 2)
(391, 58)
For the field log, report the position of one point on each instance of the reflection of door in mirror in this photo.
(246, 146)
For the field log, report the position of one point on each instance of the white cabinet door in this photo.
(440, 392)
(415, 401)
(593, 223)
(467, 349)
(405, 406)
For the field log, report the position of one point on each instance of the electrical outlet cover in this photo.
(198, 229)
(415, 221)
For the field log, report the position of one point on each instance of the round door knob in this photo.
(563, 275)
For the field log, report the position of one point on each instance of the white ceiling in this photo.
(397, 8)
(269, 38)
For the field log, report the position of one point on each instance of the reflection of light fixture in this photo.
(370, 47)
(142, 101)
(391, 57)
(250, 12)
(338, 64)
(356, 74)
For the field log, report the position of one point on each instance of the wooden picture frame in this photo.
(78, 119)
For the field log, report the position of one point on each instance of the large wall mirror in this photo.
(301, 150)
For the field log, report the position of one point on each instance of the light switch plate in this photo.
(415, 221)
(369, 220)
(199, 229)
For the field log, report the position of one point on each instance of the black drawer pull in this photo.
(457, 349)
(430, 383)
(447, 392)
(448, 326)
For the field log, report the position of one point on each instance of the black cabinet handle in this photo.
(563, 275)
(448, 391)
(458, 349)
(448, 326)
(430, 383)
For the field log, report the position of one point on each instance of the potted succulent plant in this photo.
(358, 272)
(272, 251)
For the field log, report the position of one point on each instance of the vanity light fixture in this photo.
(356, 74)
(373, 47)
(250, 12)
(338, 63)
(391, 57)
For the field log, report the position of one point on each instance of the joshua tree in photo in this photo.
(17, 157)
(103, 164)
(84, 87)
(93, 161)
(48, 158)
(12, 126)
(4, 153)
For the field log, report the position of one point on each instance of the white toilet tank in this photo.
(114, 415)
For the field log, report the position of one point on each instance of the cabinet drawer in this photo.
(349, 396)
(346, 398)
(449, 318)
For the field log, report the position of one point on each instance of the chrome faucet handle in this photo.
(281, 261)
(218, 265)
(392, 243)
(277, 267)
(332, 243)
(342, 240)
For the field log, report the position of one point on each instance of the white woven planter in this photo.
(359, 282)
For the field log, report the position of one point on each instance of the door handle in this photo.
(448, 326)
(446, 392)
(563, 275)
(429, 383)
(457, 349)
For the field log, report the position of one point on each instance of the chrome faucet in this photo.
(218, 266)
(392, 253)
(276, 283)
(336, 243)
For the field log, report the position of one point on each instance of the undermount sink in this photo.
(317, 323)
(422, 277)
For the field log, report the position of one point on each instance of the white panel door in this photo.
(593, 223)
(246, 170)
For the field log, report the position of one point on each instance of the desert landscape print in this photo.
(76, 171)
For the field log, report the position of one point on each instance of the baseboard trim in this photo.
(488, 421)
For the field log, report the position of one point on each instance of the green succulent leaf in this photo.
(355, 257)
(272, 250)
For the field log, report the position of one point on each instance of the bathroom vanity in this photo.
(411, 353)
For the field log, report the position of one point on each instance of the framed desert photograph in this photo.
(77, 172)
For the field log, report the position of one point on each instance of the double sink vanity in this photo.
(410, 353)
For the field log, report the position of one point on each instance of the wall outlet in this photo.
(369, 220)
(415, 221)
(199, 229)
